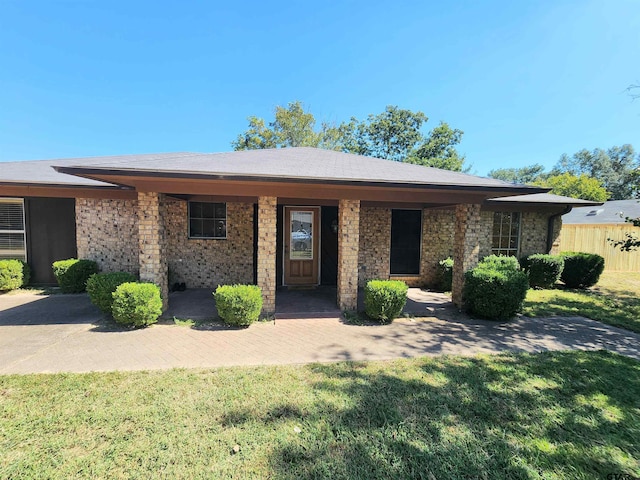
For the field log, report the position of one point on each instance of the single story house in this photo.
(279, 217)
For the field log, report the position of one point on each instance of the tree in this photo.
(614, 168)
(583, 186)
(438, 149)
(528, 174)
(291, 127)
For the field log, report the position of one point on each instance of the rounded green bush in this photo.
(101, 286)
(444, 274)
(581, 270)
(500, 262)
(13, 274)
(385, 299)
(544, 270)
(136, 304)
(72, 274)
(495, 294)
(238, 305)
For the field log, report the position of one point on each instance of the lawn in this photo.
(565, 415)
(614, 300)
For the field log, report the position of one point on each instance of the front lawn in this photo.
(551, 415)
(615, 300)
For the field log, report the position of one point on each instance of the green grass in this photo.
(563, 415)
(615, 300)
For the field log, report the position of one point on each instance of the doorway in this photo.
(301, 246)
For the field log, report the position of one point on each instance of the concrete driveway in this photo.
(65, 333)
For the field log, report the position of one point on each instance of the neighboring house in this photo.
(294, 216)
(588, 229)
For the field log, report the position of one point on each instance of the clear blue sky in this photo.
(526, 81)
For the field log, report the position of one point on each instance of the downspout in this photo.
(552, 220)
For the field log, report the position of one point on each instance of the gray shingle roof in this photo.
(613, 211)
(302, 163)
(42, 171)
(544, 199)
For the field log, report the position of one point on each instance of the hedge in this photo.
(581, 270)
(495, 290)
(444, 274)
(72, 274)
(13, 274)
(136, 304)
(500, 262)
(101, 286)
(385, 299)
(544, 270)
(238, 305)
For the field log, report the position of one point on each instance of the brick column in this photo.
(466, 247)
(151, 239)
(267, 215)
(348, 245)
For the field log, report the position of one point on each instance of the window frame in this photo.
(214, 218)
(23, 231)
(420, 238)
(500, 249)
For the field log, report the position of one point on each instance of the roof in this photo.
(42, 171)
(286, 164)
(613, 211)
(545, 199)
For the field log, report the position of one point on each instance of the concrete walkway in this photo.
(65, 333)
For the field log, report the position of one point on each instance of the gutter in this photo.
(552, 220)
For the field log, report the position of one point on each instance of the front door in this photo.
(301, 238)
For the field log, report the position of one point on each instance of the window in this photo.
(12, 233)
(207, 220)
(406, 233)
(506, 233)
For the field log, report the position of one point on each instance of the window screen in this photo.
(12, 232)
(207, 220)
(406, 233)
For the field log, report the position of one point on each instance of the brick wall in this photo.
(348, 246)
(152, 242)
(533, 235)
(375, 244)
(107, 232)
(266, 268)
(207, 263)
(466, 246)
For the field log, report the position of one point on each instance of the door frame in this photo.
(317, 212)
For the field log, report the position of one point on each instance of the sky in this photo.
(525, 80)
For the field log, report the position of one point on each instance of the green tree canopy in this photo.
(519, 175)
(582, 186)
(614, 168)
(291, 127)
(395, 134)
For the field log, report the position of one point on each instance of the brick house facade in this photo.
(250, 217)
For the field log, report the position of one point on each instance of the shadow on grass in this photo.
(569, 415)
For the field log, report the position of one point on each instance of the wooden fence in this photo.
(594, 239)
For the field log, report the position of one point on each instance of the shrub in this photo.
(444, 274)
(72, 274)
(581, 270)
(13, 274)
(101, 286)
(493, 293)
(385, 299)
(544, 270)
(238, 304)
(137, 304)
(500, 262)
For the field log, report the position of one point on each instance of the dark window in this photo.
(207, 220)
(506, 233)
(406, 232)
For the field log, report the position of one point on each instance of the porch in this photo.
(198, 304)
